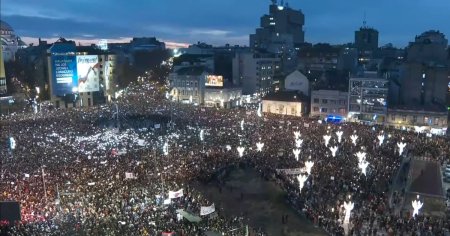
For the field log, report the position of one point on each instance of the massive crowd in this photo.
(68, 170)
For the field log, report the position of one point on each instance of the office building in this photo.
(3, 89)
(188, 84)
(367, 98)
(325, 103)
(255, 72)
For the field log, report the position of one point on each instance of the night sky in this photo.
(219, 21)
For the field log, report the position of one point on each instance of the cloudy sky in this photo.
(219, 21)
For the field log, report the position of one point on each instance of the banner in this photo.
(88, 70)
(129, 175)
(206, 210)
(167, 201)
(295, 171)
(176, 194)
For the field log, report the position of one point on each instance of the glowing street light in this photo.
(259, 146)
(417, 205)
(348, 206)
(381, 138)
(354, 138)
(308, 165)
(241, 151)
(296, 153)
(301, 180)
(333, 151)
(298, 143)
(296, 134)
(401, 146)
(339, 134)
(361, 156)
(327, 139)
(363, 164)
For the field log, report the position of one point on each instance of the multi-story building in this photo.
(433, 120)
(281, 21)
(366, 42)
(367, 98)
(80, 76)
(255, 72)
(325, 103)
(188, 84)
(10, 42)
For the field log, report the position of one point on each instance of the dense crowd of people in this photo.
(68, 169)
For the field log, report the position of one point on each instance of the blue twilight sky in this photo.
(219, 21)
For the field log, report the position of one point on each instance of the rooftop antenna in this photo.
(364, 21)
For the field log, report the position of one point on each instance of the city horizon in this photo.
(31, 21)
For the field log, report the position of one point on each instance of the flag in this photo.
(176, 194)
(206, 210)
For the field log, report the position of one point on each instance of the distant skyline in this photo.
(217, 22)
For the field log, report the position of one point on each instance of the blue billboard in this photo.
(65, 76)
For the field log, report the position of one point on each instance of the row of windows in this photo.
(189, 92)
(183, 83)
(426, 119)
(325, 110)
(325, 101)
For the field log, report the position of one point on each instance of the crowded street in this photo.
(128, 167)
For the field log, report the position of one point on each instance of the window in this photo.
(316, 100)
(436, 121)
(393, 117)
(89, 102)
(293, 111)
(324, 101)
(324, 110)
(425, 119)
(316, 109)
(404, 118)
(414, 119)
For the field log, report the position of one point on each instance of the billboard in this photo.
(214, 81)
(64, 74)
(88, 69)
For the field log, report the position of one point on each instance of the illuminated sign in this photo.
(64, 74)
(214, 81)
(88, 69)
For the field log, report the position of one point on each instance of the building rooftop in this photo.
(286, 96)
(192, 70)
(5, 26)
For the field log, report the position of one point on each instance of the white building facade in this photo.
(188, 85)
(296, 81)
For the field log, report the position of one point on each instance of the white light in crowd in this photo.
(242, 124)
(241, 151)
(333, 151)
(296, 134)
(348, 206)
(301, 180)
(202, 135)
(38, 90)
(298, 143)
(309, 164)
(339, 134)
(401, 146)
(166, 148)
(259, 146)
(296, 153)
(361, 156)
(12, 143)
(74, 89)
(363, 164)
(259, 112)
(228, 147)
(417, 205)
(327, 139)
(167, 95)
(190, 99)
(381, 138)
(354, 138)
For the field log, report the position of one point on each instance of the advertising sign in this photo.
(214, 81)
(64, 74)
(88, 69)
